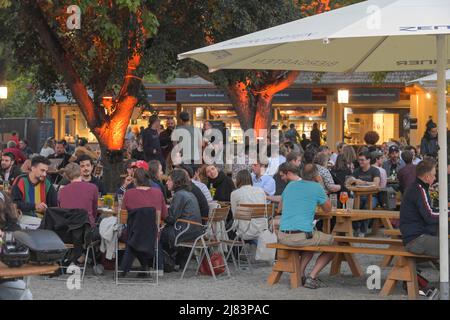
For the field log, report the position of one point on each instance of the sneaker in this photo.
(311, 283)
(361, 235)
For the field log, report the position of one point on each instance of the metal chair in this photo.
(202, 243)
(245, 213)
(122, 221)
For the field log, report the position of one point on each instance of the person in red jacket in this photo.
(13, 148)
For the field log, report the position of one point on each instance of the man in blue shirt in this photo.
(259, 179)
(299, 200)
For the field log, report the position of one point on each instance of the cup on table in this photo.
(119, 200)
(349, 204)
(333, 200)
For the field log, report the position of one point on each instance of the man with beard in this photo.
(9, 170)
(34, 193)
(87, 166)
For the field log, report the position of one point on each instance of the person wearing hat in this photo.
(78, 194)
(9, 171)
(394, 164)
(429, 144)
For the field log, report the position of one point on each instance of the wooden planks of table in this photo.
(345, 218)
(26, 270)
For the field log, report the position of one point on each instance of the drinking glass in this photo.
(343, 197)
(119, 201)
(349, 204)
(333, 200)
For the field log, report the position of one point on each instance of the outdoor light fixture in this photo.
(343, 96)
(3, 92)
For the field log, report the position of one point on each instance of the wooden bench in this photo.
(288, 260)
(26, 270)
(394, 234)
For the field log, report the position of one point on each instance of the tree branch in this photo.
(63, 61)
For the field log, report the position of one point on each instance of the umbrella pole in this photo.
(443, 192)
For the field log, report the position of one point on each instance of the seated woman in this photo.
(142, 196)
(340, 172)
(321, 161)
(246, 193)
(156, 176)
(127, 180)
(184, 206)
(220, 183)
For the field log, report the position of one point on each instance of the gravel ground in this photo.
(241, 286)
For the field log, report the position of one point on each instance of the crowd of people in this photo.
(301, 177)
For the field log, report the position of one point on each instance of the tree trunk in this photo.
(263, 117)
(112, 162)
(242, 103)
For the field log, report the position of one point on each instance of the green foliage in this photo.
(98, 51)
(21, 101)
(187, 25)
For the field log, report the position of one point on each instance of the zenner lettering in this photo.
(425, 28)
(418, 62)
(295, 62)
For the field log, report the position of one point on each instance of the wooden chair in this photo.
(245, 213)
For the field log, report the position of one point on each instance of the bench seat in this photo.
(288, 260)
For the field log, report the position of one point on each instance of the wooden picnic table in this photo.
(107, 212)
(26, 270)
(345, 218)
(359, 192)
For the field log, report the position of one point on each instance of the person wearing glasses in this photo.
(365, 174)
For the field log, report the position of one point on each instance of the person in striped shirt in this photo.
(34, 193)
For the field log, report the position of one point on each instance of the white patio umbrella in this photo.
(430, 79)
(375, 35)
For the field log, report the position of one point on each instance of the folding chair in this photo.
(202, 243)
(122, 221)
(245, 213)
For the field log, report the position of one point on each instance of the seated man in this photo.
(300, 199)
(419, 224)
(364, 174)
(34, 193)
(87, 166)
(293, 158)
(60, 153)
(78, 194)
(262, 180)
(9, 170)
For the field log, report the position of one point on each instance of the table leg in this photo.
(370, 205)
(326, 225)
(343, 225)
(357, 201)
